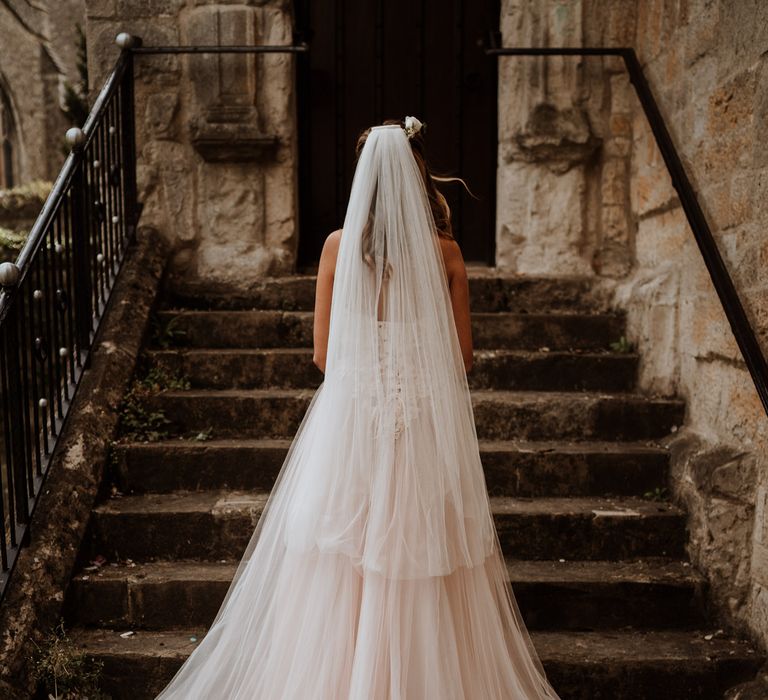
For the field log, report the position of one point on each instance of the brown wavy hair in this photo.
(437, 202)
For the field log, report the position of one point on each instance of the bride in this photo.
(375, 571)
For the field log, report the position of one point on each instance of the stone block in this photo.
(716, 477)
(757, 310)
(617, 147)
(726, 472)
(557, 138)
(760, 537)
(613, 256)
(546, 236)
(99, 9)
(234, 247)
(620, 125)
(621, 22)
(102, 52)
(161, 70)
(623, 99)
(275, 90)
(702, 34)
(661, 237)
(615, 227)
(746, 255)
(702, 76)
(760, 116)
(169, 189)
(149, 9)
(706, 327)
(730, 104)
(650, 20)
(650, 184)
(651, 298)
(723, 403)
(160, 113)
(726, 206)
(613, 185)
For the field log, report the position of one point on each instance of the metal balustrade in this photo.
(55, 295)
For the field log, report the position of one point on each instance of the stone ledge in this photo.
(34, 600)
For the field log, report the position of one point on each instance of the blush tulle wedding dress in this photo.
(375, 572)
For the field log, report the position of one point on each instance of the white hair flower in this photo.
(412, 126)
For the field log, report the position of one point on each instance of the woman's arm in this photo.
(323, 293)
(458, 286)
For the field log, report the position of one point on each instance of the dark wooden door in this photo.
(371, 60)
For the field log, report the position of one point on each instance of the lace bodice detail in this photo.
(402, 396)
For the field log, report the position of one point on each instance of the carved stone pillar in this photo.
(225, 125)
(546, 142)
(216, 133)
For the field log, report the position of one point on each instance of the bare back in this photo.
(458, 287)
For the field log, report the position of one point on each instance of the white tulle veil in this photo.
(374, 571)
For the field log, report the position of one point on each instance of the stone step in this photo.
(499, 415)
(288, 368)
(650, 593)
(215, 525)
(275, 329)
(634, 664)
(618, 664)
(489, 289)
(511, 468)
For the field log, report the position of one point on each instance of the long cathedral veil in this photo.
(374, 571)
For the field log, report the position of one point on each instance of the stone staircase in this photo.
(569, 450)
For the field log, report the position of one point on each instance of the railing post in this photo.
(129, 145)
(81, 254)
(16, 404)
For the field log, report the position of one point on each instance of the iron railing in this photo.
(55, 297)
(718, 271)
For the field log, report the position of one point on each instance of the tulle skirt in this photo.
(375, 571)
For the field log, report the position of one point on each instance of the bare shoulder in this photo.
(452, 257)
(332, 240)
(330, 249)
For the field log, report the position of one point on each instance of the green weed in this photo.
(63, 671)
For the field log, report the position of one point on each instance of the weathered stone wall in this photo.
(216, 134)
(707, 65)
(583, 189)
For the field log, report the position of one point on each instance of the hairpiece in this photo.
(413, 126)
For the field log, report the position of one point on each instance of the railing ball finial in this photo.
(9, 275)
(127, 41)
(75, 137)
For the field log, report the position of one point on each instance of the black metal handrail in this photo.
(277, 48)
(718, 272)
(54, 298)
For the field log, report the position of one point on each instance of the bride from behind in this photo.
(375, 571)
